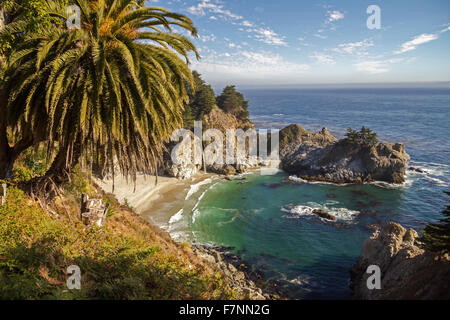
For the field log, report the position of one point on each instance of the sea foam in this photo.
(195, 187)
(297, 211)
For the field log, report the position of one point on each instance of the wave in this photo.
(228, 222)
(195, 214)
(386, 185)
(297, 211)
(298, 180)
(381, 184)
(195, 187)
(176, 217)
(435, 173)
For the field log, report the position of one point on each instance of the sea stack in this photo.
(320, 156)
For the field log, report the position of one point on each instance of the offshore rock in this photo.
(320, 156)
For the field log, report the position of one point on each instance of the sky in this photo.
(299, 42)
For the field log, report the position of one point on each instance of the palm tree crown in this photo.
(113, 89)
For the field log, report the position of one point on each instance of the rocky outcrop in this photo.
(186, 168)
(324, 214)
(319, 156)
(407, 271)
(238, 274)
(220, 120)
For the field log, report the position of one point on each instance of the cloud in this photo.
(334, 16)
(380, 66)
(359, 48)
(249, 64)
(318, 35)
(417, 41)
(323, 59)
(207, 38)
(246, 23)
(262, 34)
(446, 29)
(206, 6)
(268, 36)
(372, 67)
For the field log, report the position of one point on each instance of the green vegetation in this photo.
(232, 101)
(126, 259)
(365, 137)
(436, 236)
(111, 90)
(201, 101)
(291, 133)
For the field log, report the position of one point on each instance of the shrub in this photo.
(123, 260)
(365, 137)
(232, 101)
(436, 236)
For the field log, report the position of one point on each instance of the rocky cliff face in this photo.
(407, 271)
(319, 156)
(186, 167)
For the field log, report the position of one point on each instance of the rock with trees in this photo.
(232, 101)
(365, 137)
(202, 100)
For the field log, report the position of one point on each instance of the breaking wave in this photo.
(196, 187)
(176, 217)
(297, 211)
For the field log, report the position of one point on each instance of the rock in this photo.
(226, 170)
(360, 193)
(319, 156)
(407, 271)
(185, 166)
(331, 196)
(323, 214)
(416, 170)
(237, 274)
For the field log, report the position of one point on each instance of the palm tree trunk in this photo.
(58, 174)
(66, 159)
(6, 156)
(5, 150)
(9, 154)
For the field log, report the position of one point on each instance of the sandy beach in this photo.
(155, 202)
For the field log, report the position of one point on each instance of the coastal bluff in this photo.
(320, 156)
(408, 272)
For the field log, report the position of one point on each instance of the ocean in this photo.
(269, 222)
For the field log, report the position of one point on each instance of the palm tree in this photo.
(27, 15)
(112, 91)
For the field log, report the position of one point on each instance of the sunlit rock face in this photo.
(406, 270)
(320, 156)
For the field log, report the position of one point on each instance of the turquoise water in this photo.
(268, 220)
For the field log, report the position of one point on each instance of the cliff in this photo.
(320, 156)
(186, 168)
(407, 271)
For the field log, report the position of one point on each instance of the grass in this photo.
(128, 258)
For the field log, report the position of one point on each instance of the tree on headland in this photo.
(232, 101)
(112, 91)
(436, 236)
(201, 100)
(365, 137)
